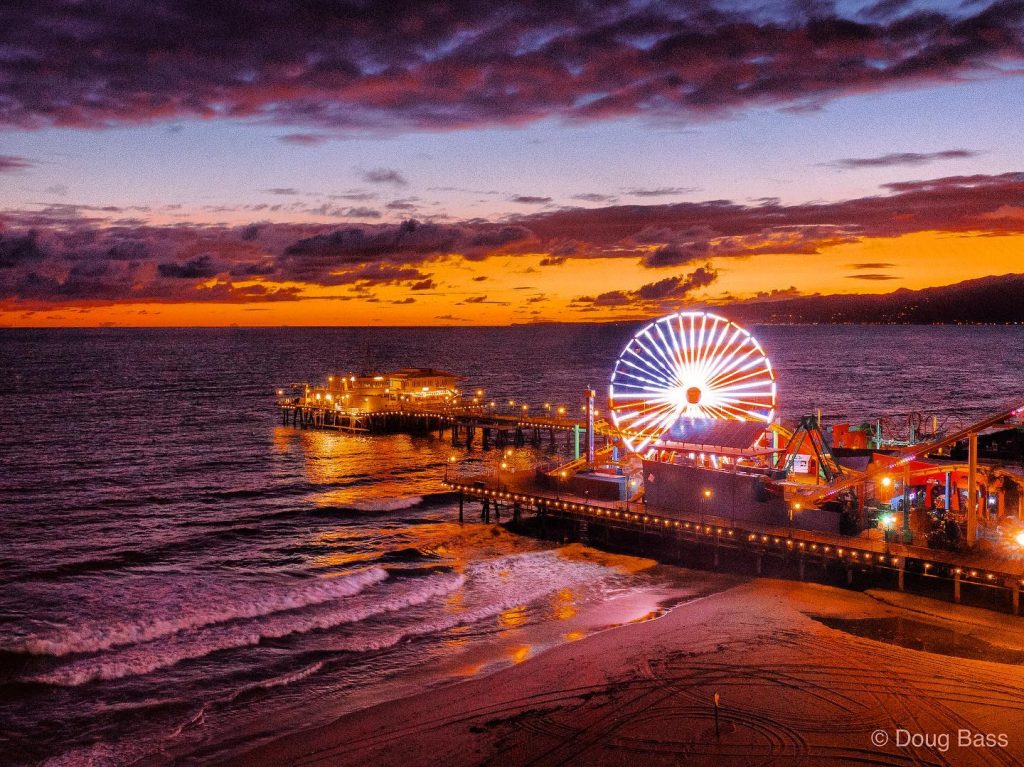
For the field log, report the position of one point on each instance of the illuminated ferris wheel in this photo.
(689, 365)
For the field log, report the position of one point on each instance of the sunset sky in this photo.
(364, 163)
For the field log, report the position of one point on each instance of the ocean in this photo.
(182, 577)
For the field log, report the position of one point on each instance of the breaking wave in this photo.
(197, 643)
(91, 638)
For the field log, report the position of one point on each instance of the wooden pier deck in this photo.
(465, 424)
(981, 578)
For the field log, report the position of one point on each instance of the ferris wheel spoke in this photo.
(651, 360)
(640, 372)
(646, 383)
(714, 349)
(703, 342)
(734, 367)
(661, 352)
(750, 380)
(669, 351)
(725, 356)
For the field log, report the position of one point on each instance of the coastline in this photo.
(790, 688)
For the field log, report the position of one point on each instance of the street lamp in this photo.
(793, 509)
(561, 478)
(451, 460)
(705, 499)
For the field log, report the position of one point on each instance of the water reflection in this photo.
(563, 604)
(513, 617)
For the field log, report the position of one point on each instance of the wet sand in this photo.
(792, 691)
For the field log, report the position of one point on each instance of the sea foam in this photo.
(220, 608)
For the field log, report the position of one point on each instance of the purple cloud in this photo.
(331, 68)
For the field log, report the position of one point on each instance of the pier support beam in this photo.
(972, 489)
(1015, 592)
(462, 499)
(902, 570)
(956, 586)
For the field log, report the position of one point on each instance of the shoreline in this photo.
(790, 687)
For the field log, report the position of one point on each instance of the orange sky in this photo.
(517, 289)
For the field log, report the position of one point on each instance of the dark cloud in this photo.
(529, 199)
(776, 293)
(281, 190)
(662, 191)
(353, 196)
(384, 176)
(19, 251)
(903, 158)
(653, 295)
(196, 268)
(452, 64)
(678, 287)
(10, 163)
(873, 265)
(401, 205)
(594, 197)
(875, 277)
(312, 258)
(360, 212)
(553, 260)
(303, 139)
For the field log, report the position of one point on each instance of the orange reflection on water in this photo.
(457, 636)
(513, 617)
(563, 605)
(572, 636)
(519, 653)
(455, 601)
(469, 670)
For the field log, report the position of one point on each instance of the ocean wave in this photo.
(278, 681)
(517, 580)
(388, 504)
(144, 658)
(92, 638)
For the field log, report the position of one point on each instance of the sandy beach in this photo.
(792, 690)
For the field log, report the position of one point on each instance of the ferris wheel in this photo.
(689, 365)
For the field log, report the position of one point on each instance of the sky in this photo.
(364, 163)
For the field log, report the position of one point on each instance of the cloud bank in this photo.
(62, 255)
(386, 66)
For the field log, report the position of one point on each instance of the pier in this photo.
(694, 465)
(428, 401)
(700, 540)
(465, 426)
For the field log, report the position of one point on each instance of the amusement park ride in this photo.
(694, 399)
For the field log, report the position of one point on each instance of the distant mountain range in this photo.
(996, 299)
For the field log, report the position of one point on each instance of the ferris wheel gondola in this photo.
(693, 365)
